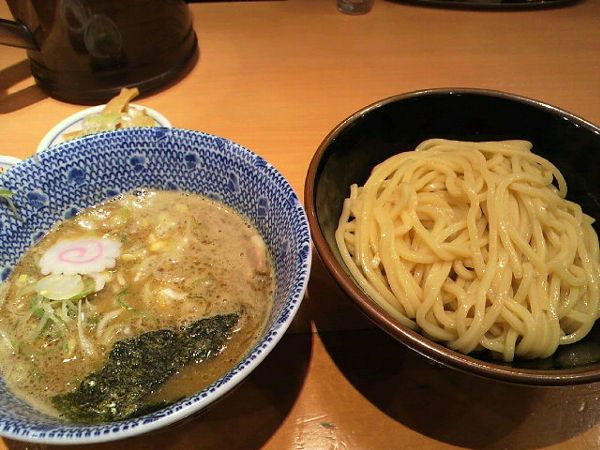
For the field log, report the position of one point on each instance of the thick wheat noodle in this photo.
(475, 245)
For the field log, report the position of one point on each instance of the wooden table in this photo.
(276, 76)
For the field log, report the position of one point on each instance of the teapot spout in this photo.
(15, 34)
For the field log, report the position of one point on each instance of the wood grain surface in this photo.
(276, 77)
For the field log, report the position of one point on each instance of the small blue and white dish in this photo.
(74, 122)
(58, 183)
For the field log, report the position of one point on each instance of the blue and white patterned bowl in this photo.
(58, 183)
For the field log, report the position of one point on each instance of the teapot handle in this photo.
(15, 34)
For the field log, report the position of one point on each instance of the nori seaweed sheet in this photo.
(136, 367)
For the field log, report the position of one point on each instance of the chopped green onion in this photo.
(122, 303)
(6, 195)
(38, 329)
(35, 306)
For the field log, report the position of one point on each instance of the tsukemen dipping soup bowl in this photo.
(64, 180)
(397, 124)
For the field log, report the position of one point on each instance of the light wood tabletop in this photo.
(276, 77)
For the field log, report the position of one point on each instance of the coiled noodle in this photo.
(475, 245)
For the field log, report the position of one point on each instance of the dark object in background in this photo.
(491, 4)
(86, 51)
(138, 366)
(349, 153)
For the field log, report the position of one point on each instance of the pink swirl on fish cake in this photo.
(80, 256)
(83, 252)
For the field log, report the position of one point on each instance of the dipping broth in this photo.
(146, 264)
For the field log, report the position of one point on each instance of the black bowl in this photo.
(371, 135)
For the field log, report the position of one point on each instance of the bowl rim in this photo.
(433, 351)
(78, 434)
